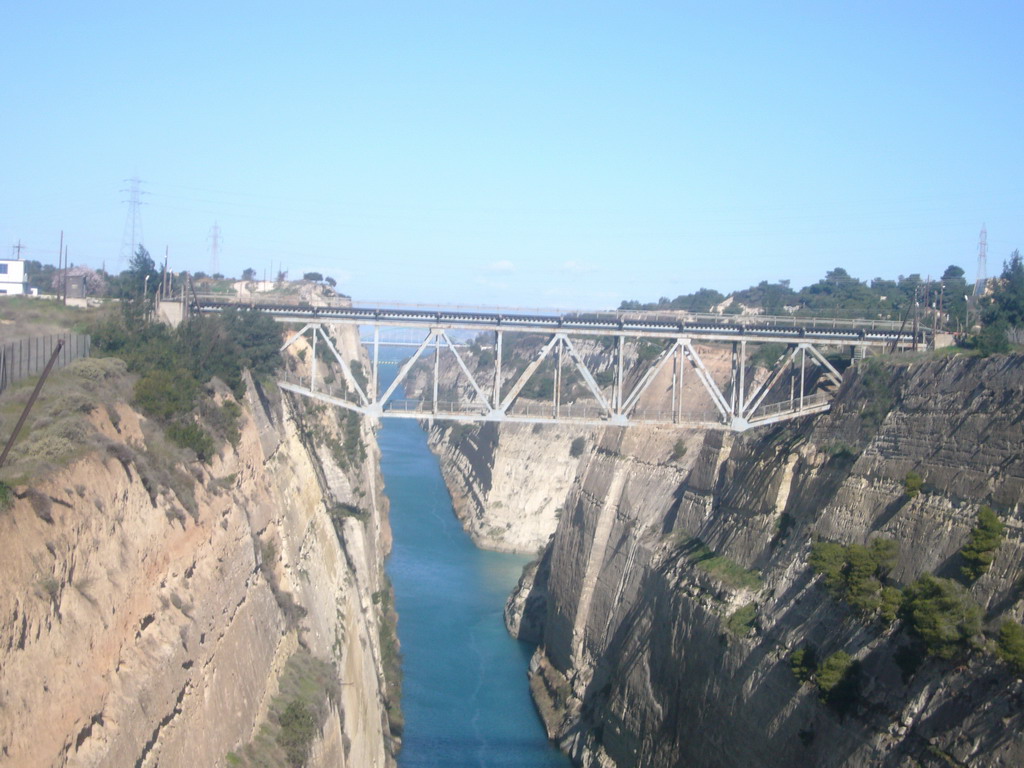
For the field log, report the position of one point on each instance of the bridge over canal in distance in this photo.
(801, 382)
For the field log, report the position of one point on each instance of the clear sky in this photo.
(518, 153)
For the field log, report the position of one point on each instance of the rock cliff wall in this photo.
(145, 625)
(644, 659)
(509, 481)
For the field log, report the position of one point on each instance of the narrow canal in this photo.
(466, 698)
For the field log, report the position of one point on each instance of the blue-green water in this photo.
(466, 698)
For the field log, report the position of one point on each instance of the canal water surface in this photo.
(466, 699)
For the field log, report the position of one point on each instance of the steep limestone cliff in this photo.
(491, 471)
(509, 481)
(144, 624)
(646, 658)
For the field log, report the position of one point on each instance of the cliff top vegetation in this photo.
(943, 303)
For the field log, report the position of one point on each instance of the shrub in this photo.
(912, 484)
(832, 670)
(942, 614)
(6, 496)
(855, 574)
(678, 450)
(829, 559)
(191, 435)
(576, 449)
(165, 394)
(742, 620)
(1010, 645)
(878, 400)
(298, 727)
(838, 679)
(804, 663)
(981, 546)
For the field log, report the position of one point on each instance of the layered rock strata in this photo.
(642, 661)
(140, 627)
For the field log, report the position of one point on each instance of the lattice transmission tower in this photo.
(133, 221)
(982, 277)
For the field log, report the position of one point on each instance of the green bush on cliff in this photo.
(855, 573)
(943, 614)
(307, 686)
(804, 663)
(832, 670)
(981, 546)
(741, 622)
(878, 396)
(190, 435)
(173, 365)
(912, 484)
(298, 727)
(1010, 645)
(838, 679)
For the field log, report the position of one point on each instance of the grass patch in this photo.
(728, 571)
(307, 687)
(58, 429)
(741, 622)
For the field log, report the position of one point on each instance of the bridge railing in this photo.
(816, 400)
(649, 316)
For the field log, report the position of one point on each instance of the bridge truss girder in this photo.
(493, 401)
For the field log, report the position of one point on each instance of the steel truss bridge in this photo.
(812, 378)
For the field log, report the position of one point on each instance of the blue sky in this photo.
(530, 154)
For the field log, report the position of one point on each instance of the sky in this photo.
(534, 154)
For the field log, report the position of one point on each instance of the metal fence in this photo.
(27, 357)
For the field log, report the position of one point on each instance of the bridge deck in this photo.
(874, 333)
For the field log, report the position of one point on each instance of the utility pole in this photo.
(64, 282)
(917, 309)
(60, 263)
(16, 249)
(163, 281)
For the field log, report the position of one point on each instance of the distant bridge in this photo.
(812, 378)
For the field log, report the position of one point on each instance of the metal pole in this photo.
(618, 378)
(312, 376)
(60, 257)
(558, 379)
(735, 381)
(30, 403)
(497, 369)
(803, 357)
(675, 376)
(743, 370)
(682, 368)
(376, 363)
(437, 367)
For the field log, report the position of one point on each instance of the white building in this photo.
(12, 276)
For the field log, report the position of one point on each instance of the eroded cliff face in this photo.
(638, 664)
(140, 627)
(509, 481)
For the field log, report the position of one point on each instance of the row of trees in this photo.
(946, 304)
(836, 294)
